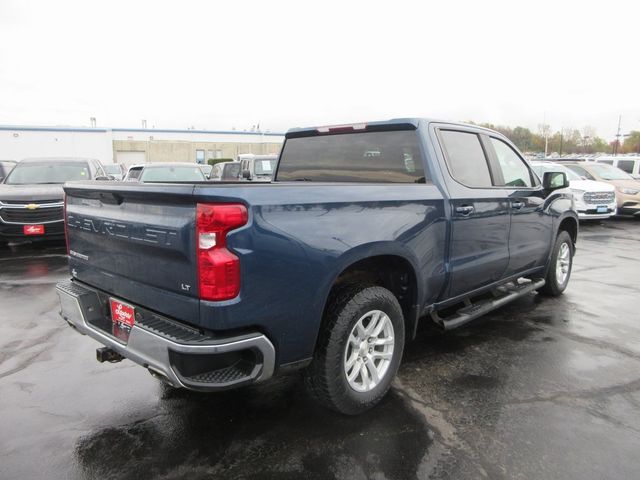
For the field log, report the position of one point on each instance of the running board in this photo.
(504, 294)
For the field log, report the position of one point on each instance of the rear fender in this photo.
(377, 249)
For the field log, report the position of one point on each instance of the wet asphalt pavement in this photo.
(542, 388)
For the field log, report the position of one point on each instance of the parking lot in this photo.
(542, 388)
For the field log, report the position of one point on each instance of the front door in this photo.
(530, 232)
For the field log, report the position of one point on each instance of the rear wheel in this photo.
(359, 350)
(559, 266)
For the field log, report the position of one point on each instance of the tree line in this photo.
(566, 140)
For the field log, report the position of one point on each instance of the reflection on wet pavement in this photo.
(261, 432)
(542, 388)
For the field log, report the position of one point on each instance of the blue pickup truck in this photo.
(366, 230)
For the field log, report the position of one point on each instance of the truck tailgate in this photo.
(124, 239)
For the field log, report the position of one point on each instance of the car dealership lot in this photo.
(542, 388)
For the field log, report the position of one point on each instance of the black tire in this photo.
(326, 379)
(553, 286)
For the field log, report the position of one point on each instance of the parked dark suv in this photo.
(31, 196)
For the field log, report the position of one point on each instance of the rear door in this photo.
(530, 232)
(479, 244)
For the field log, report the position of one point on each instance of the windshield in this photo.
(50, 172)
(265, 167)
(172, 174)
(541, 169)
(607, 172)
(112, 169)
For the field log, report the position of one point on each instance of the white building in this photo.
(133, 145)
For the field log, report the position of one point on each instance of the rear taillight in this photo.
(66, 225)
(218, 268)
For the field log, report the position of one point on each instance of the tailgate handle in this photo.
(465, 210)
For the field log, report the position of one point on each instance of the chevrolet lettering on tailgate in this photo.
(135, 232)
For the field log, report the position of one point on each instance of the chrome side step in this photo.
(503, 295)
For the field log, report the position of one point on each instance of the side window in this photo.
(515, 172)
(626, 165)
(465, 158)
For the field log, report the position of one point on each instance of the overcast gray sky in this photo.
(223, 64)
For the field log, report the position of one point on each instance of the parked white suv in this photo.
(593, 200)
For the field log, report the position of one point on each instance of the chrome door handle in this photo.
(517, 205)
(465, 210)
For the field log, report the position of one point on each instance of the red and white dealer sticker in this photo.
(123, 318)
(33, 229)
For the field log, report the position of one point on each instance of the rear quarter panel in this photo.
(301, 236)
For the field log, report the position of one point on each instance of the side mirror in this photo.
(554, 181)
(246, 174)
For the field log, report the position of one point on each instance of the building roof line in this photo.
(133, 130)
(52, 129)
(165, 130)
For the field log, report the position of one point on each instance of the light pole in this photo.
(617, 142)
(584, 143)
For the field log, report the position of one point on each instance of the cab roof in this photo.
(384, 125)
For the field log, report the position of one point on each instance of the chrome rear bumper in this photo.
(206, 363)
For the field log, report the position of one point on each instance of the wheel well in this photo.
(388, 271)
(570, 226)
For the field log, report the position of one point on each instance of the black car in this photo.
(5, 167)
(32, 199)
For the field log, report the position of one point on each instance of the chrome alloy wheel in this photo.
(563, 264)
(369, 351)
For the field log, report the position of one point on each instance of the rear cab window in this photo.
(358, 157)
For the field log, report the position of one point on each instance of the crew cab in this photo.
(329, 268)
(31, 197)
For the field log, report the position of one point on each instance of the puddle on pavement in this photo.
(270, 431)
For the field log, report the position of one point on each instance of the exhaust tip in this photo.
(160, 376)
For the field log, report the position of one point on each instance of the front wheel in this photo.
(560, 266)
(359, 350)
